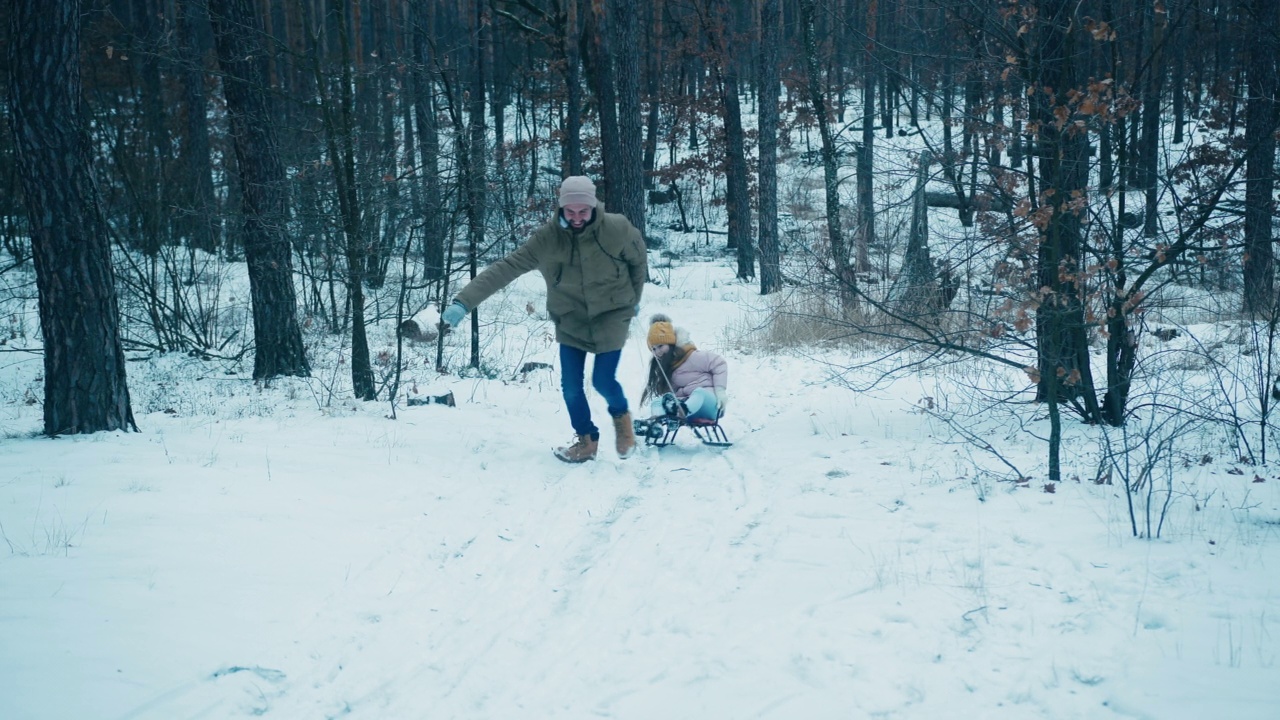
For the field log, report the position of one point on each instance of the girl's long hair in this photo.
(659, 383)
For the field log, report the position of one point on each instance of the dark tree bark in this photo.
(916, 292)
(866, 149)
(204, 227)
(150, 183)
(1179, 87)
(340, 134)
(1062, 151)
(653, 85)
(770, 254)
(278, 348)
(84, 368)
(886, 65)
(1132, 172)
(737, 188)
(382, 199)
(718, 27)
(1107, 130)
(1260, 161)
(629, 194)
(1151, 115)
(573, 89)
(843, 270)
(476, 198)
(600, 75)
(424, 110)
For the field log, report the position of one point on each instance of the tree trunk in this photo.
(1179, 86)
(340, 136)
(150, 185)
(476, 199)
(770, 254)
(629, 195)
(205, 226)
(278, 348)
(573, 89)
(1107, 133)
(843, 270)
(428, 143)
(1062, 151)
(866, 191)
(653, 86)
(600, 74)
(916, 293)
(1260, 157)
(738, 205)
(1157, 19)
(85, 388)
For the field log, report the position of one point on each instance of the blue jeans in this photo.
(573, 363)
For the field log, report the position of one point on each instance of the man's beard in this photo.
(577, 229)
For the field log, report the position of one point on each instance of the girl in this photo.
(684, 381)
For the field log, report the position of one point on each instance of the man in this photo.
(594, 264)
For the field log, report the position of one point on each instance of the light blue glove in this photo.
(453, 314)
(722, 399)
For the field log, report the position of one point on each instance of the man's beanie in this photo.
(661, 331)
(578, 190)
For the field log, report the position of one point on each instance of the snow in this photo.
(288, 552)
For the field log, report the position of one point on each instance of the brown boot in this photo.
(582, 450)
(626, 432)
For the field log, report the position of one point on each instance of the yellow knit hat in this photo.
(661, 331)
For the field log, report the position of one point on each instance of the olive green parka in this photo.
(594, 278)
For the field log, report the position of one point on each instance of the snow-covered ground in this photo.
(267, 552)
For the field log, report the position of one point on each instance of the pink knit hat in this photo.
(578, 190)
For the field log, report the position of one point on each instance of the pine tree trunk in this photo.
(629, 195)
(150, 193)
(600, 74)
(573, 92)
(85, 388)
(770, 253)
(1179, 87)
(866, 190)
(653, 85)
(739, 193)
(278, 348)
(1151, 115)
(476, 197)
(1260, 162)
(428, 142)
(841, 267)
(205, 226)
(340, 136)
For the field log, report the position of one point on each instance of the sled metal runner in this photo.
(662, 431)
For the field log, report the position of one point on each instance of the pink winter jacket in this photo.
(699, 369)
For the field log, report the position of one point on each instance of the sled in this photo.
(661, 431)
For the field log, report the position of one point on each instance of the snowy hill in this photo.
(261, 552)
